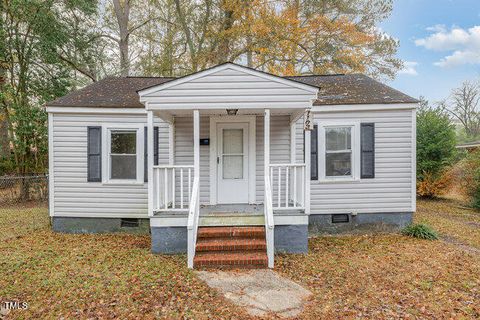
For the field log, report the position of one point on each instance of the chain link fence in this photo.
(17, 189)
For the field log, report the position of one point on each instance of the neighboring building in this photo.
(187, 158)
(469, 146)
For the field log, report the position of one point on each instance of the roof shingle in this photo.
(334, 89)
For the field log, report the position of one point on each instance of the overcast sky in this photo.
(440, 42)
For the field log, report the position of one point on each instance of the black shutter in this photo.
(367, 150)
(314, 154)
(145, 151)
(94, 154)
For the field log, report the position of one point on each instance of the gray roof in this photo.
(334, 89)
(353, 89)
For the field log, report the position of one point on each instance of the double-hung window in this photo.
(123, 155)
(338, 152)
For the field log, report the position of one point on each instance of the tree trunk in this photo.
(4, 141)
(122, 13)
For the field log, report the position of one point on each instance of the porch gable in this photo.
(229, 86)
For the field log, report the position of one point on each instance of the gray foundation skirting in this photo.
(169, 239)
(100, 225)
(291, 238)
(362, 222)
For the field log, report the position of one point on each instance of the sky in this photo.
(439, 42)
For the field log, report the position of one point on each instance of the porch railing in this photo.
(192, 223)
(172, 185)
(288, 185)
(269, 222)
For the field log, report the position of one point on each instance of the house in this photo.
(232, 161)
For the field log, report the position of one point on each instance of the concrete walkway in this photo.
(259, 291)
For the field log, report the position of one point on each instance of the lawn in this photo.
(115, 276)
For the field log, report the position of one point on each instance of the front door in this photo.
(232, 162)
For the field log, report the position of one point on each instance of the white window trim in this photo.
(355, 134)
(106, 160)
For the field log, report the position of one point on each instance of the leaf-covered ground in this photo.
(116, 276)
(97, 276)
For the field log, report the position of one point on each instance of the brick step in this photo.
(230, 244)
(229, 259)
(232, 232)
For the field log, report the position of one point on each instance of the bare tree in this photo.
(464, 105)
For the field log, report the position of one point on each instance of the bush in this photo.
(470, 177)
(431, 187)
(420, 231)
(435, 149)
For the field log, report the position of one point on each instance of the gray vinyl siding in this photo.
(391, 189)
(73, 195)
(279, 148)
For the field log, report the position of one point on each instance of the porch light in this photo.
(232, 112)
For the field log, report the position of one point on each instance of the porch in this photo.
(202, 185)
(236, 145)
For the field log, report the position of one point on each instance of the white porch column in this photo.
(266, 144)
(308, 158)
(150, 152)
(196, 142)
(171, 143)
(293, 142)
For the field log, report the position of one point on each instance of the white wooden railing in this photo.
(192, 222)
(172, 187)
(269, 222)
(288, 186)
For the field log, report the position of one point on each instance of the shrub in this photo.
(431, 187)
(435, 148)
(420, 231)
(470, 177)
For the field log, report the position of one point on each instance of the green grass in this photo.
(421, 231)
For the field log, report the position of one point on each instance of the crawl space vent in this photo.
(339, 218)
(129, 223)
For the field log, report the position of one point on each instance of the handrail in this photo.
(172, 166)
(287, 165)
(269, 222)
(192, 222)
(289, 179)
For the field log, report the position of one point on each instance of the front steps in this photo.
(231, 247)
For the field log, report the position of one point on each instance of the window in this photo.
(338, 152)
(123, 154)
(232, 154)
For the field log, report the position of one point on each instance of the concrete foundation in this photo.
(362, 222)
(169, 240)
(291, 238)
(98, 225)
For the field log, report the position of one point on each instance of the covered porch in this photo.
(233, 153)
(236, 141)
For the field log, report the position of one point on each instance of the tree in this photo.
(435, 146)
(464, 105)
(32, 37)
(283, 36)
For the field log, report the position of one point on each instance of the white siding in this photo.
(391, 189)
(73, 195)
(279, 148)
(228, 87)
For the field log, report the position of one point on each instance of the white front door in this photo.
(232, 162)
